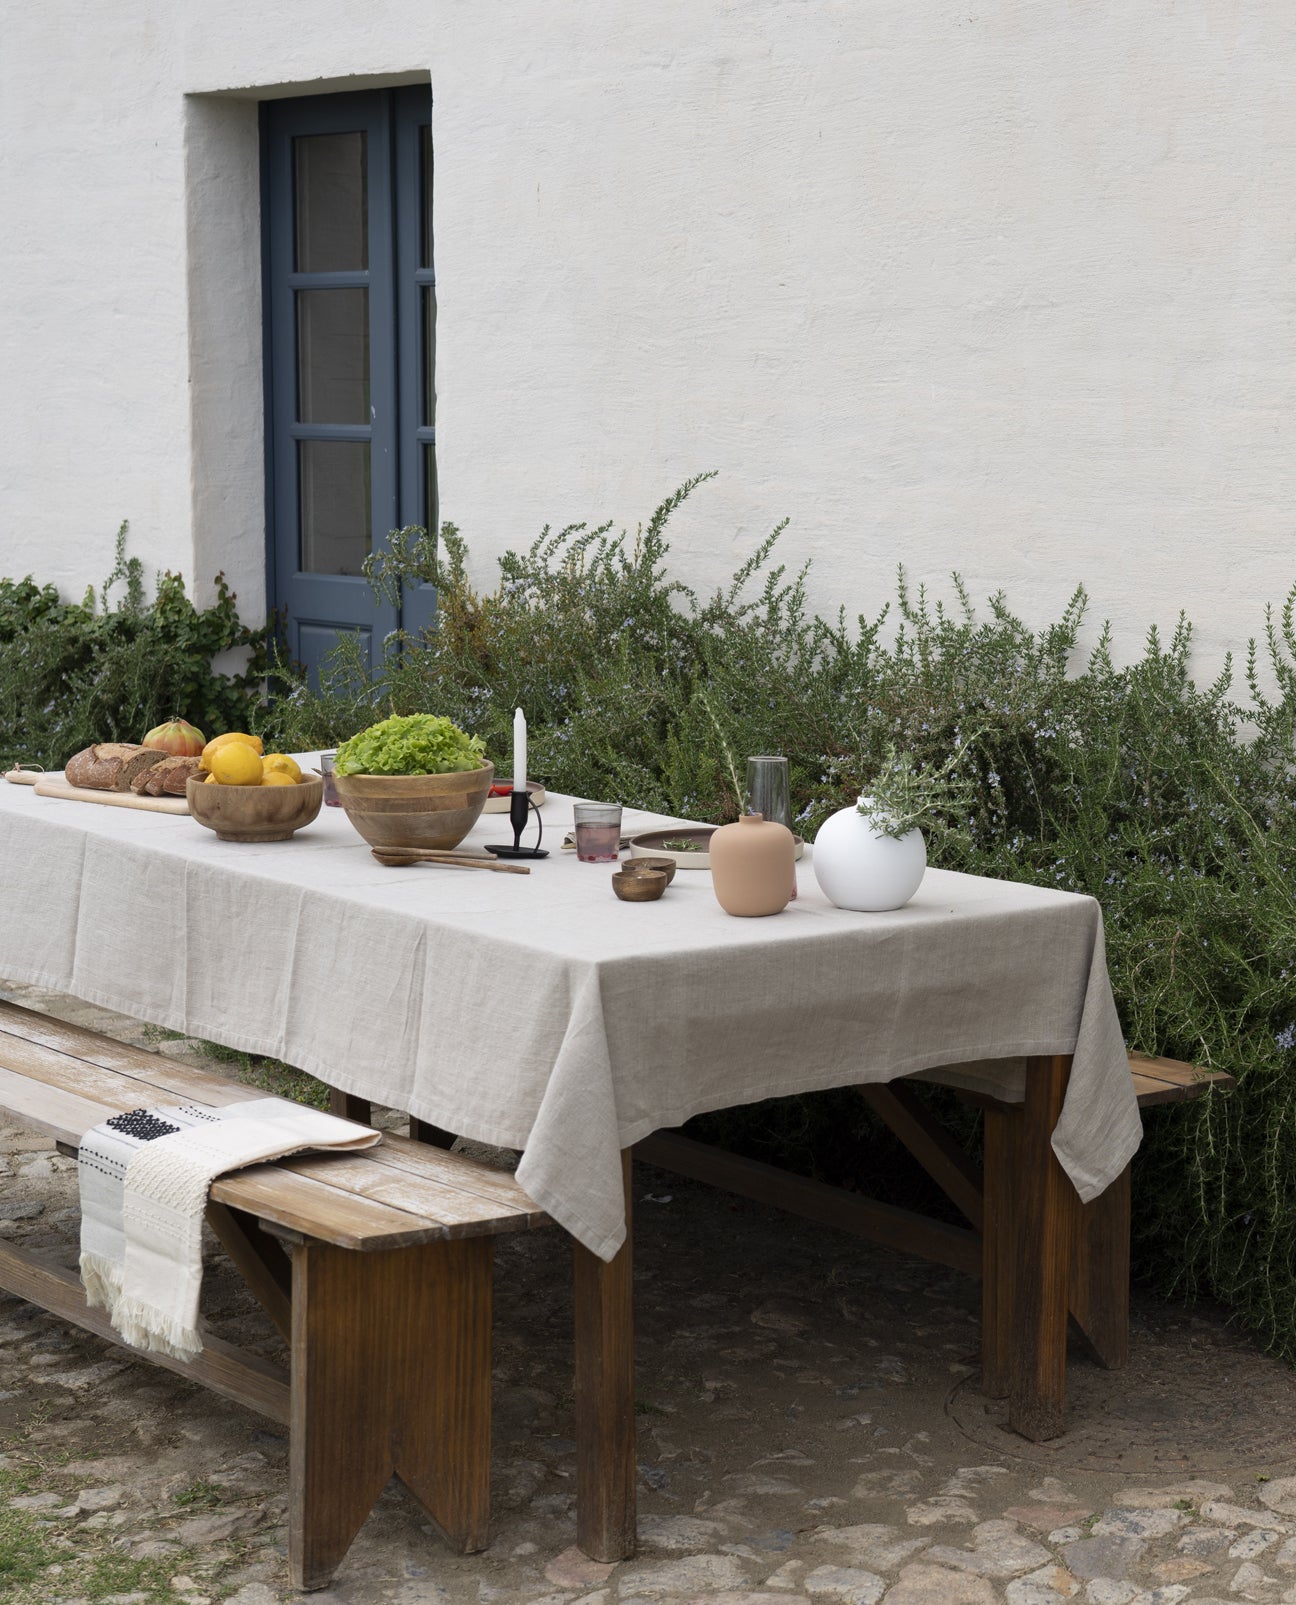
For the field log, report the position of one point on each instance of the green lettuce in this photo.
(416, 744)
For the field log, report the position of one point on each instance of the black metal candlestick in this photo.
(520, 805)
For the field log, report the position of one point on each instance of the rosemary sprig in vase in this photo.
(902, 797)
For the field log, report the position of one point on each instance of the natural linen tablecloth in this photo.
(541, 1013)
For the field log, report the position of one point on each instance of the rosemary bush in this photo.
(1171, 803)
(109, 668)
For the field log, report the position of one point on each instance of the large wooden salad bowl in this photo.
(415, 810)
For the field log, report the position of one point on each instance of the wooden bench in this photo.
(987, 1195)
(374, 1267)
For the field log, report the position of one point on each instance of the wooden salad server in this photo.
(401, 857)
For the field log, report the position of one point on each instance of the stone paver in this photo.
(809, 1435)
(1108, 1556)
(998, 1550)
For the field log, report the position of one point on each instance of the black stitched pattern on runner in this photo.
(141, 1125)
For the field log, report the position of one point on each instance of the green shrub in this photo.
(99, 670)
(1171, 803)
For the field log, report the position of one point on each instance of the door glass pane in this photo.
(429, 356)
(425, 193)
(332, 203)
(336, 528)
(333, 356)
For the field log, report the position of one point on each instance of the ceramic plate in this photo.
(652, 844)
(500, 805)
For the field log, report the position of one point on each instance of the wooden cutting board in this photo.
(56, 786)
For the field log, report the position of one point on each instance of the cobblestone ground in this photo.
(810, 1433)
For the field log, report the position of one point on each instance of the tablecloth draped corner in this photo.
(1100, 1127)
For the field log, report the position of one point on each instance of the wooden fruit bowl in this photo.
(255, 813)
(415, 810)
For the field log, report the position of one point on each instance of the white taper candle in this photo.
(519, 750)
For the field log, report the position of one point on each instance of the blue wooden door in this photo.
(350, 330)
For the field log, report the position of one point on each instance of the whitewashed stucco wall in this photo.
(1007, 289)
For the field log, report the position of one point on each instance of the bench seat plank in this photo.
(458, 1213)
(1178, 1081)
(77, 1094)
(113, 1088)
(66, 1116)
(19, 1025)
(457, 1170)
(303, 1204)
(1151, 1092)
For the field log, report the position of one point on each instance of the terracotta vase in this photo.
(753, 866)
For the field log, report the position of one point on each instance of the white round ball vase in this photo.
(857, 867)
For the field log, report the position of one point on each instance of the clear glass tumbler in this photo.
(331, 798)
(598, 832)
(769, 792)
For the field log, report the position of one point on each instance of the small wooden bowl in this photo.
(646, 866)
(639, 886)
(255, 813)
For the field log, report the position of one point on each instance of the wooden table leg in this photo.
(1002, 1212)
(348, 1106)
(605, 1418)
(1100, 1277)
(425, 1131)
(390, 1375)
(1048, 1212)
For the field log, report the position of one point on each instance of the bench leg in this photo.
(1002, 1158)
(260, 1260)
(1049, 1210)
(605, 1419)
(1100, 1277)
(390, 1376)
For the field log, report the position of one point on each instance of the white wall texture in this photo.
(1006, 288)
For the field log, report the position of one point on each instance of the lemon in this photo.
(211, 780)
(236, 765)
(216, 744)
(276, 777)
(280, 763)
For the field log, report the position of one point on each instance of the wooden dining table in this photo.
(541, 1014)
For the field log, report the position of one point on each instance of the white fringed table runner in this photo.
(144, 1177)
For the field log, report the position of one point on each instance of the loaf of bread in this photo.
(165, 779)
(110, 765)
